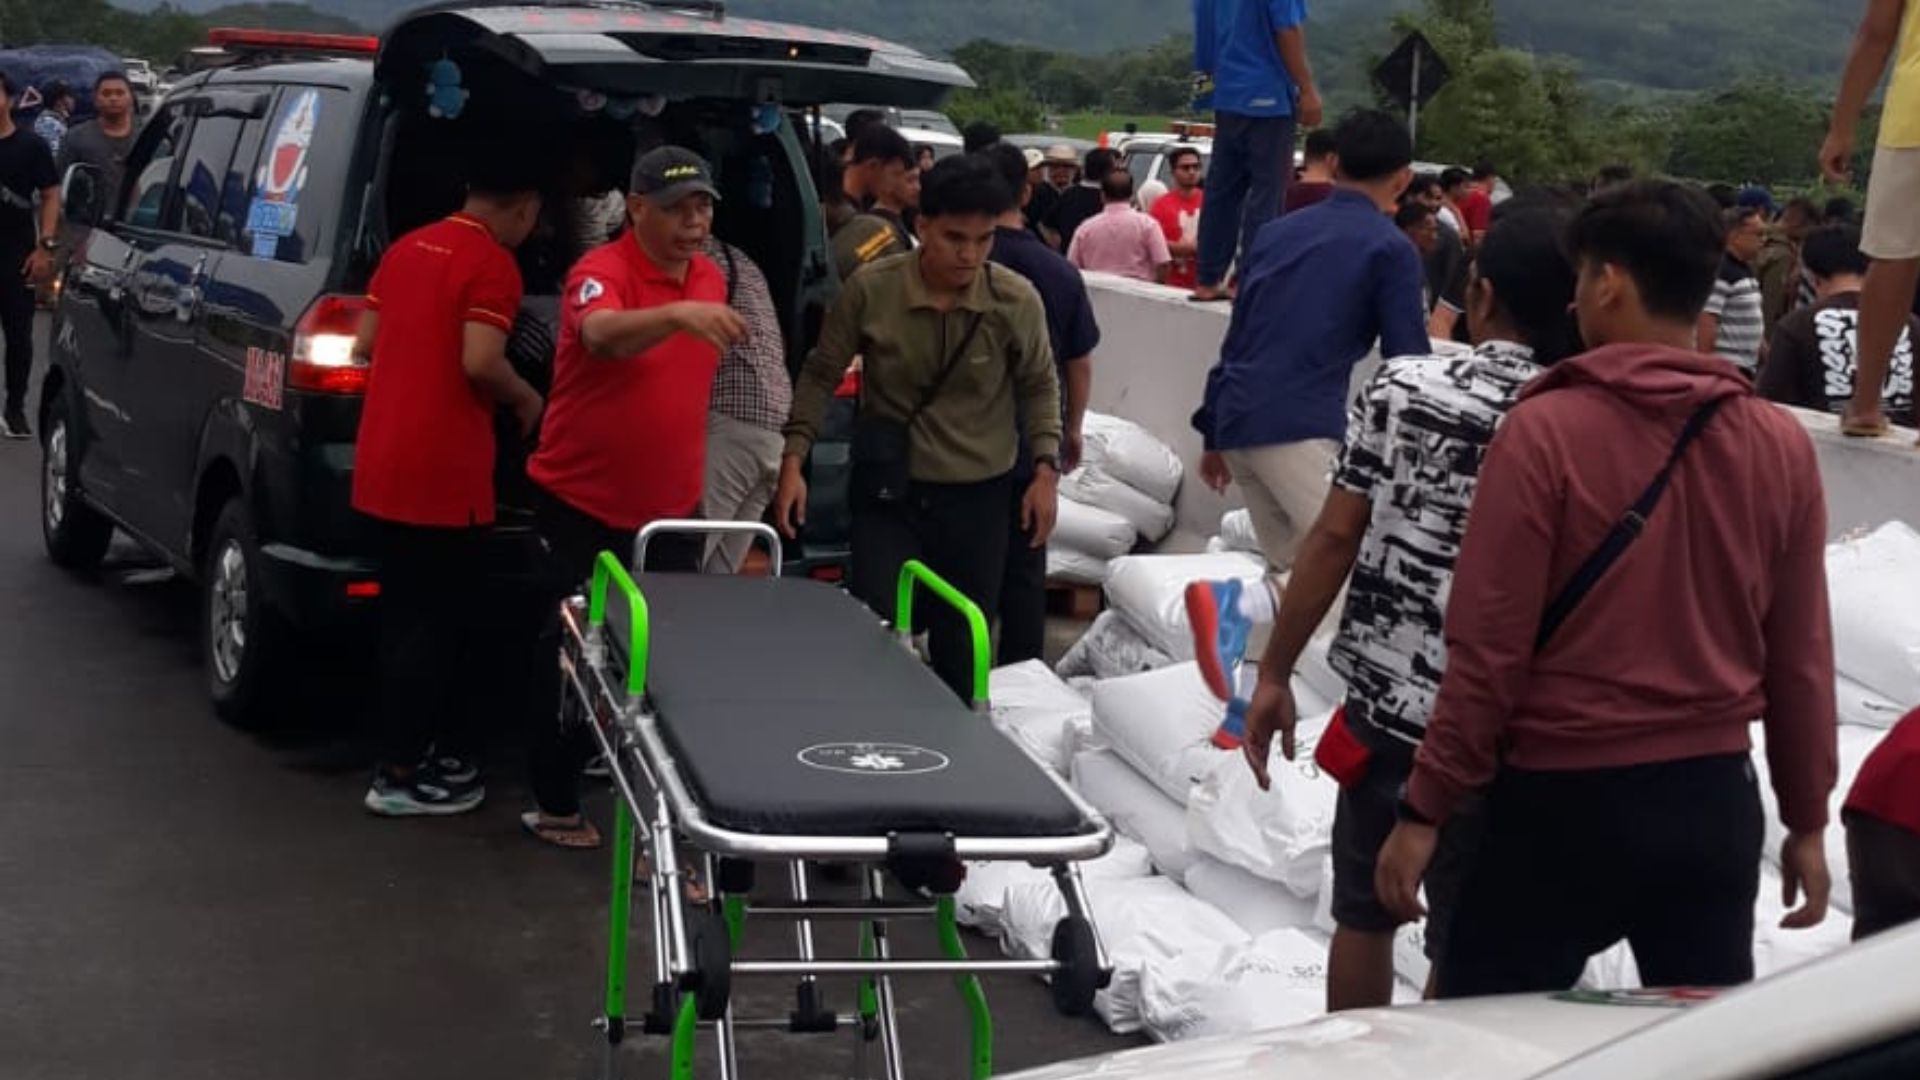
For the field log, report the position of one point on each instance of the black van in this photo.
(201, 395)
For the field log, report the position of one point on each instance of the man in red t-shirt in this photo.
(1882, 815)
(643, 323)
(1477, 205)
(435, 333)
(1178, 213)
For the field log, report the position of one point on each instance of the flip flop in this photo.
(691, 888)
(1220, 297)
(581, 836)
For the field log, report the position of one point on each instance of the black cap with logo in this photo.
(668, 174)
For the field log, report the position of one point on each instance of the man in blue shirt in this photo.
(1250, 61)
(1318, 288)
(1070, 325)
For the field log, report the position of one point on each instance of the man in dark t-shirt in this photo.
(1074, 335)
(27, 237)
(1814, 352)
(1082, 201)
(104, 141)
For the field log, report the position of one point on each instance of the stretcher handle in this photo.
(760, 529)
(915, 572)
(608, 567)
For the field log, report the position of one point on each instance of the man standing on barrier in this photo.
(952, 346)
(643, 323)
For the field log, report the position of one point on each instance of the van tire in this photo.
(76, 534)
(248, 644)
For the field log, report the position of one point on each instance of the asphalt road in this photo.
(179, 899)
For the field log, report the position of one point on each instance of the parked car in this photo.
(1853, 1015)
(201, 393)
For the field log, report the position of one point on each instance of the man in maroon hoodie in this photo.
(1612, 741)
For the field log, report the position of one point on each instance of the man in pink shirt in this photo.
(1617, 623)
(1121, 240)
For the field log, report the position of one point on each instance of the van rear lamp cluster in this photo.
(323, 360)
(235, 39)
(362, 590)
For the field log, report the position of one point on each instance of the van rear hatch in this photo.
(690, 51)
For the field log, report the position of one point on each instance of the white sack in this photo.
(1236, 532)
(980, 901)
(1075, 567)
(1032, 706)
(1614, 969)
(1162, 723)
(1125, 451)
(1855, 743)
(1136, 808)
(1282, 834)
(1091, 529)
(1862, 707)
(1871, 584)
(1150, 591)
(1095, 487)
(1278, 979)
(1111, 648)
(1258, 905)
(1137, 919)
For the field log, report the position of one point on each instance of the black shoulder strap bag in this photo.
(882, 446)
(1624, 532)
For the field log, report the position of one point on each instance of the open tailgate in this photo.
(628, 47)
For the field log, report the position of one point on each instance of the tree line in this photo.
(158, 35)
(1531, 114)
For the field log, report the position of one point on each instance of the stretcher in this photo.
(775, 721)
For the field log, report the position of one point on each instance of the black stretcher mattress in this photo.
(790, 710)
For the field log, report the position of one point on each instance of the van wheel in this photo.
(247, 641)
(76, 534)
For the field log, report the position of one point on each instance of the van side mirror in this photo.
(80, 194)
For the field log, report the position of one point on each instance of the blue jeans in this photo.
(1246, 185)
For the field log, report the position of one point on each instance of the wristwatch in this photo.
(48, 243)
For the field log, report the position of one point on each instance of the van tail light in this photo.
(323, 360)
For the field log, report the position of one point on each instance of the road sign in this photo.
(1411, 74)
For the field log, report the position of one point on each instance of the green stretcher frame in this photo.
(914, 575)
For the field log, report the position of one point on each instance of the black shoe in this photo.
(14, 424)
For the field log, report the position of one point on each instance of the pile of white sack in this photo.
(1214, 905)
(1121, 494)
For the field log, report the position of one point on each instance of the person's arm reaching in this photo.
(483, 357)
(1798, 683)
(1290, 35)
(1036, 386)
(1873, 45)
(1399, 286)
(613, 335)
(826, 365)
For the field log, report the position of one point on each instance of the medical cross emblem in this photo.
(873, 759)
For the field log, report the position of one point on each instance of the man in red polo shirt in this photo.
(435, 333)
(644, 320)
(1882, 816)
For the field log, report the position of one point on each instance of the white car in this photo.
(1854, 1015)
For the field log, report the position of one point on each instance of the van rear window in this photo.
(294, 188)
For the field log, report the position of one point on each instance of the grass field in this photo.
(1090, 125)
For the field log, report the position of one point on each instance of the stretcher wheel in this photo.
(713, 965)
(1080, 975)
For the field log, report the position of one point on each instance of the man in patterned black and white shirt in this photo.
(752, 393)
(1401, 492)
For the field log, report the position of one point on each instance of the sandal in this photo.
(576, 835)
(692, 890)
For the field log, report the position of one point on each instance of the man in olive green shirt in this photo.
(949, 345)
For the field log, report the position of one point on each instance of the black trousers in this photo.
(573, 541)
(16, 325)
(443, 643)
(1666, 856)
(1023, 589)
(960, 531)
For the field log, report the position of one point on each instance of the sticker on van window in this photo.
(275, 209)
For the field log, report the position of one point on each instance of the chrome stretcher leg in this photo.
(888, 1017)
(980, 1063)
